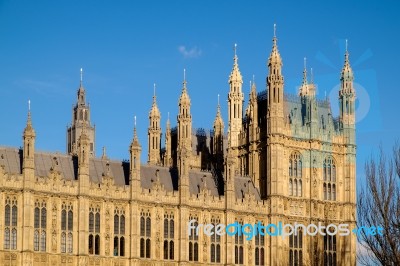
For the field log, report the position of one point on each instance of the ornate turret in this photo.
(218, 136)
(235, 103)
(154, 133)
(184, 142)
(253, 105)
(135, 150)
(307, 88)
(309, 102)
(347, 96)
(346, 76)
(80, 119)
(184, 119)
(29, 137)
(254, 136)
(218, 121)
(275, 83)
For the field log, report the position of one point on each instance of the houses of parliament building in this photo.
(284, 158)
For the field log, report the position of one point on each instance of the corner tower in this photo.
(275, 118)
(80, 119)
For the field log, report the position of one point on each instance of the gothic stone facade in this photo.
(284, 159)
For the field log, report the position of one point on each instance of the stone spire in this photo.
(235, 103)
(275, 57)
(253, 90)
(81, 91)
(346, 76)
(154, 111)
(347, 96)
(29, 131)
(218, 121)
(275, 78)
(235, 76)
(184, 118)
(218, 140)
(154, 133)
(135, 141)
(29, 136)
(80, 119)
(275, 84)
(307, 88)
(135, 150)
(184, 99)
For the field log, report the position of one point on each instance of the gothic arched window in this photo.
(329, 173)
(10, 223)
(119, 232)
(330, 250)
(295, 175)
(296, 249)
(169, 232)
(259, 251)
(193, 241)
(94, 230)
(215, 242)
(67, 225)
(40, 223)
(145, 234)
(239, 247)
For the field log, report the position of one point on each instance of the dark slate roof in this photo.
(11, 158)
(67, 165)
(168, 177)
(244, 185)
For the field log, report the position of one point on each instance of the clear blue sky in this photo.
(126, 46)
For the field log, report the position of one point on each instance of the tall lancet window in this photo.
(215, 252)
(330, 250)
(259, 250)
(329, 173)
(193, 240)
(296, 249)
(94, 230)
(40, 226)
(67, 226)
(10, 223)
(295, 175)
(145, 234)
(169, 236)
(119, 232)
(239, 247)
